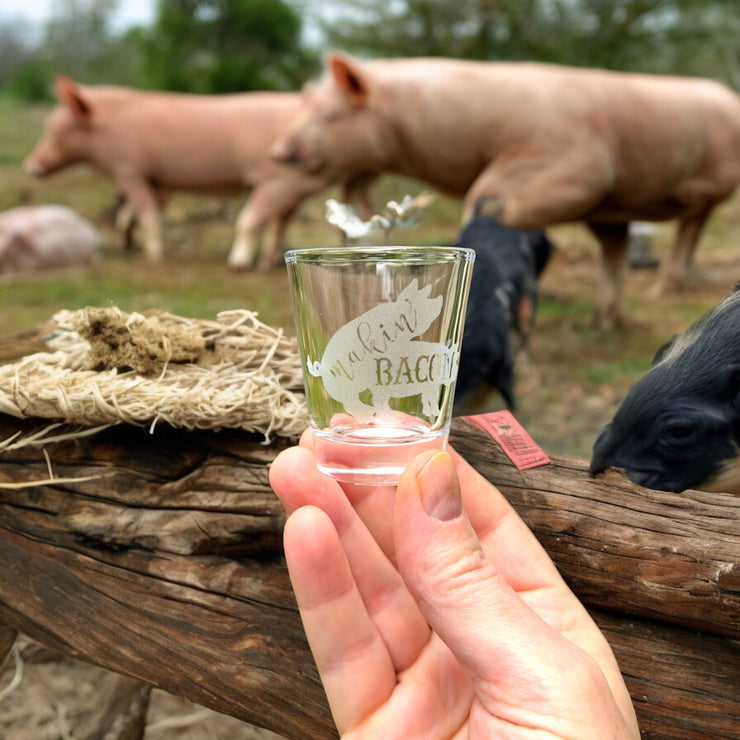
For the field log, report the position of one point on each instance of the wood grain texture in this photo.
(669, 556)
(167, 567)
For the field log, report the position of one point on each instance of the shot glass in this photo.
(379, 332)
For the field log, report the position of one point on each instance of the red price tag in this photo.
(521, 449)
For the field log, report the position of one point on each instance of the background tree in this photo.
(77, 37)
(228, 45)
(219, 46)
(681, 36)
(75, 41)
(16, 44)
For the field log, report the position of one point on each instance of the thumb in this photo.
(493, 634)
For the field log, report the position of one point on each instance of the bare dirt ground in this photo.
(53, 695)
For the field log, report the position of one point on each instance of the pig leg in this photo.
(145, 202)
(357, 192)
(274, 245)
(125, 221)
(614, 242)
(275, 199)
(675, 274)
(249, 227)
(531, 195)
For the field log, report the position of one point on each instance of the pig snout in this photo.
(603, 452)
(44, 160)
(34, 165)
(284, 150)
(289, 150)
(678, 428)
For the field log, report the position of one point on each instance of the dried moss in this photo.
(145, 344)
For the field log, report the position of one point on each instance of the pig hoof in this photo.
(669, 285)
(237, 267)
(659, 289)
(607, 321)
(695, 279)
(268, 265)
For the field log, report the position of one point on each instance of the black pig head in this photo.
(679, 426)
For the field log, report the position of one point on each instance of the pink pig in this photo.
(551, 144)
(150, 143)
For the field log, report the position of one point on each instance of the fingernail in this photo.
(439, 488)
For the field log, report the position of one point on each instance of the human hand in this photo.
(427, 623)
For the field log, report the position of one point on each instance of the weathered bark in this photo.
(170, 571)
(678, 686)
(168, 567)
(7, 640)
(13, 347)
(683, 684)
(668, 556)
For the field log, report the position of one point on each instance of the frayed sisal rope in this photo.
(238, 374)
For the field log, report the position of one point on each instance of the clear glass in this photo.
(379, 331)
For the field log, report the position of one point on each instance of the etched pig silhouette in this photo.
(380, 352)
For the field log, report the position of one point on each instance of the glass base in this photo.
(374, 454)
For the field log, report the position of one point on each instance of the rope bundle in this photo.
(108, 367)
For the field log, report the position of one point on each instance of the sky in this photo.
(37, 12)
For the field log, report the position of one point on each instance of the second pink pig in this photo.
(151, 143)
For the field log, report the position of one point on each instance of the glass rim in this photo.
(409, 253)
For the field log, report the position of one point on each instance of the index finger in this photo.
(373, 504)
(298, 483)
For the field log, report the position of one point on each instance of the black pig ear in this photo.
(664, 349)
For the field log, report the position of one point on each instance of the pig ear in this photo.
(350, 79)
(71, 96)
(664, 349)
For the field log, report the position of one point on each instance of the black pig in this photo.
(679, 425)
(503, 296)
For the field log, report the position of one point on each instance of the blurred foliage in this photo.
(700, 37)
(218, 46)
(77, 40)
(203, 46)
(31, 81)
(78, 35)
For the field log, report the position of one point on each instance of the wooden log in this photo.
(165, 564)
(677, 687)
(15, 346)
(124, 572)
(7, 640)
(669, 556)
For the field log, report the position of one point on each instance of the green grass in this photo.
(608, 373)
(200, 289)
(19, 128)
